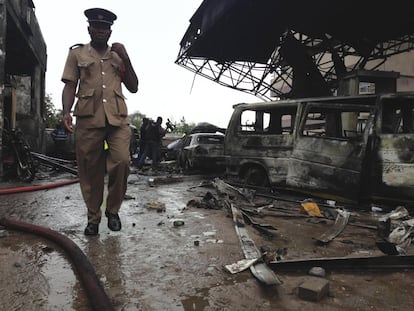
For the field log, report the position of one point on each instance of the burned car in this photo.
(204, 151)
(173, 149)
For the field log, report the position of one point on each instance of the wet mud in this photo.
(157, 263)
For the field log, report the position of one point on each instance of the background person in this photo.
(153, 136)
(59, 136)
(142, 140)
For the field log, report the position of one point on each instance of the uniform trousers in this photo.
(94, 163)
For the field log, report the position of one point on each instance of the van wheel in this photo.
(256, 177)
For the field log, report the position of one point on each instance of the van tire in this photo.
(256, 176)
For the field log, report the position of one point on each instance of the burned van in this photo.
(350, 148)
(259, 142)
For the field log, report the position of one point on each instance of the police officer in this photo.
(93, 73)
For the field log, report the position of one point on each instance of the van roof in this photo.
(355, 99)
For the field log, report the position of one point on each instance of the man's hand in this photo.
(128, 75)
(119, 48)
(67, 121)
(68, 97)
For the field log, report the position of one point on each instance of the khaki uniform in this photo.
(101, 114)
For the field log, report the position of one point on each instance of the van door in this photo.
(330, 149)
(395, 130)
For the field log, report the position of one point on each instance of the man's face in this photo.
(99, 32)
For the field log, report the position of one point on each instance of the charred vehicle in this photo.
(349, 149)
(174, 149)
(203, 151)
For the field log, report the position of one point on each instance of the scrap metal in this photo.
(377, 263)
(56, 162)
(260, 270)
(262, 228)
(339, 225)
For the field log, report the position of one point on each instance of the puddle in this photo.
(196, 302)
(209, 233)
(42, 276)
(214, 241)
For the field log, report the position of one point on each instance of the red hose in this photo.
(97, 297)
(38, 187)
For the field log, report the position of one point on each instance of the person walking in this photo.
(142, 140)
(94, 73)
(153, 136)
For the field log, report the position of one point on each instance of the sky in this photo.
(151, 32)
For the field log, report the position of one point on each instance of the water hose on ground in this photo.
(97, 297)
(37, 187)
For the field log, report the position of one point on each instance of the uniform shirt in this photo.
(99, 94)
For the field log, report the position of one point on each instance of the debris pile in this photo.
(395, 232)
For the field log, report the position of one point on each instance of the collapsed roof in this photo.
(281, 46)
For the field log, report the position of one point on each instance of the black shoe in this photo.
(91, 229)
(114, 223)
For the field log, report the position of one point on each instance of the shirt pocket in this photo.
(85, 104)
(85, 69)
(122, 109)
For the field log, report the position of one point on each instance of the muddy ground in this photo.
(153, 265)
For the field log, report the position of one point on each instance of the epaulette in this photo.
(76, 46)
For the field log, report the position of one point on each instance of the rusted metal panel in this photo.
(339, 225)
(260, 270)
(329, 152)
(397, 155)
(325, 166)
(376, 263)
(394, 169)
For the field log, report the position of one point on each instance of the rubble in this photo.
(395, 232)
(233, 231)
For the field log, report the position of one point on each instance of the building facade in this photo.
(23, 60)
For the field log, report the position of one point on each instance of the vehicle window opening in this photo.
(272, 122)
(187, 141)
(210, 140)
(398, 118)
(335, 123)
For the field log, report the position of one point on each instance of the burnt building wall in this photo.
(22, 72)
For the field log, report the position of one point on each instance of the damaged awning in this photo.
(227, 31)
(245, 44)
